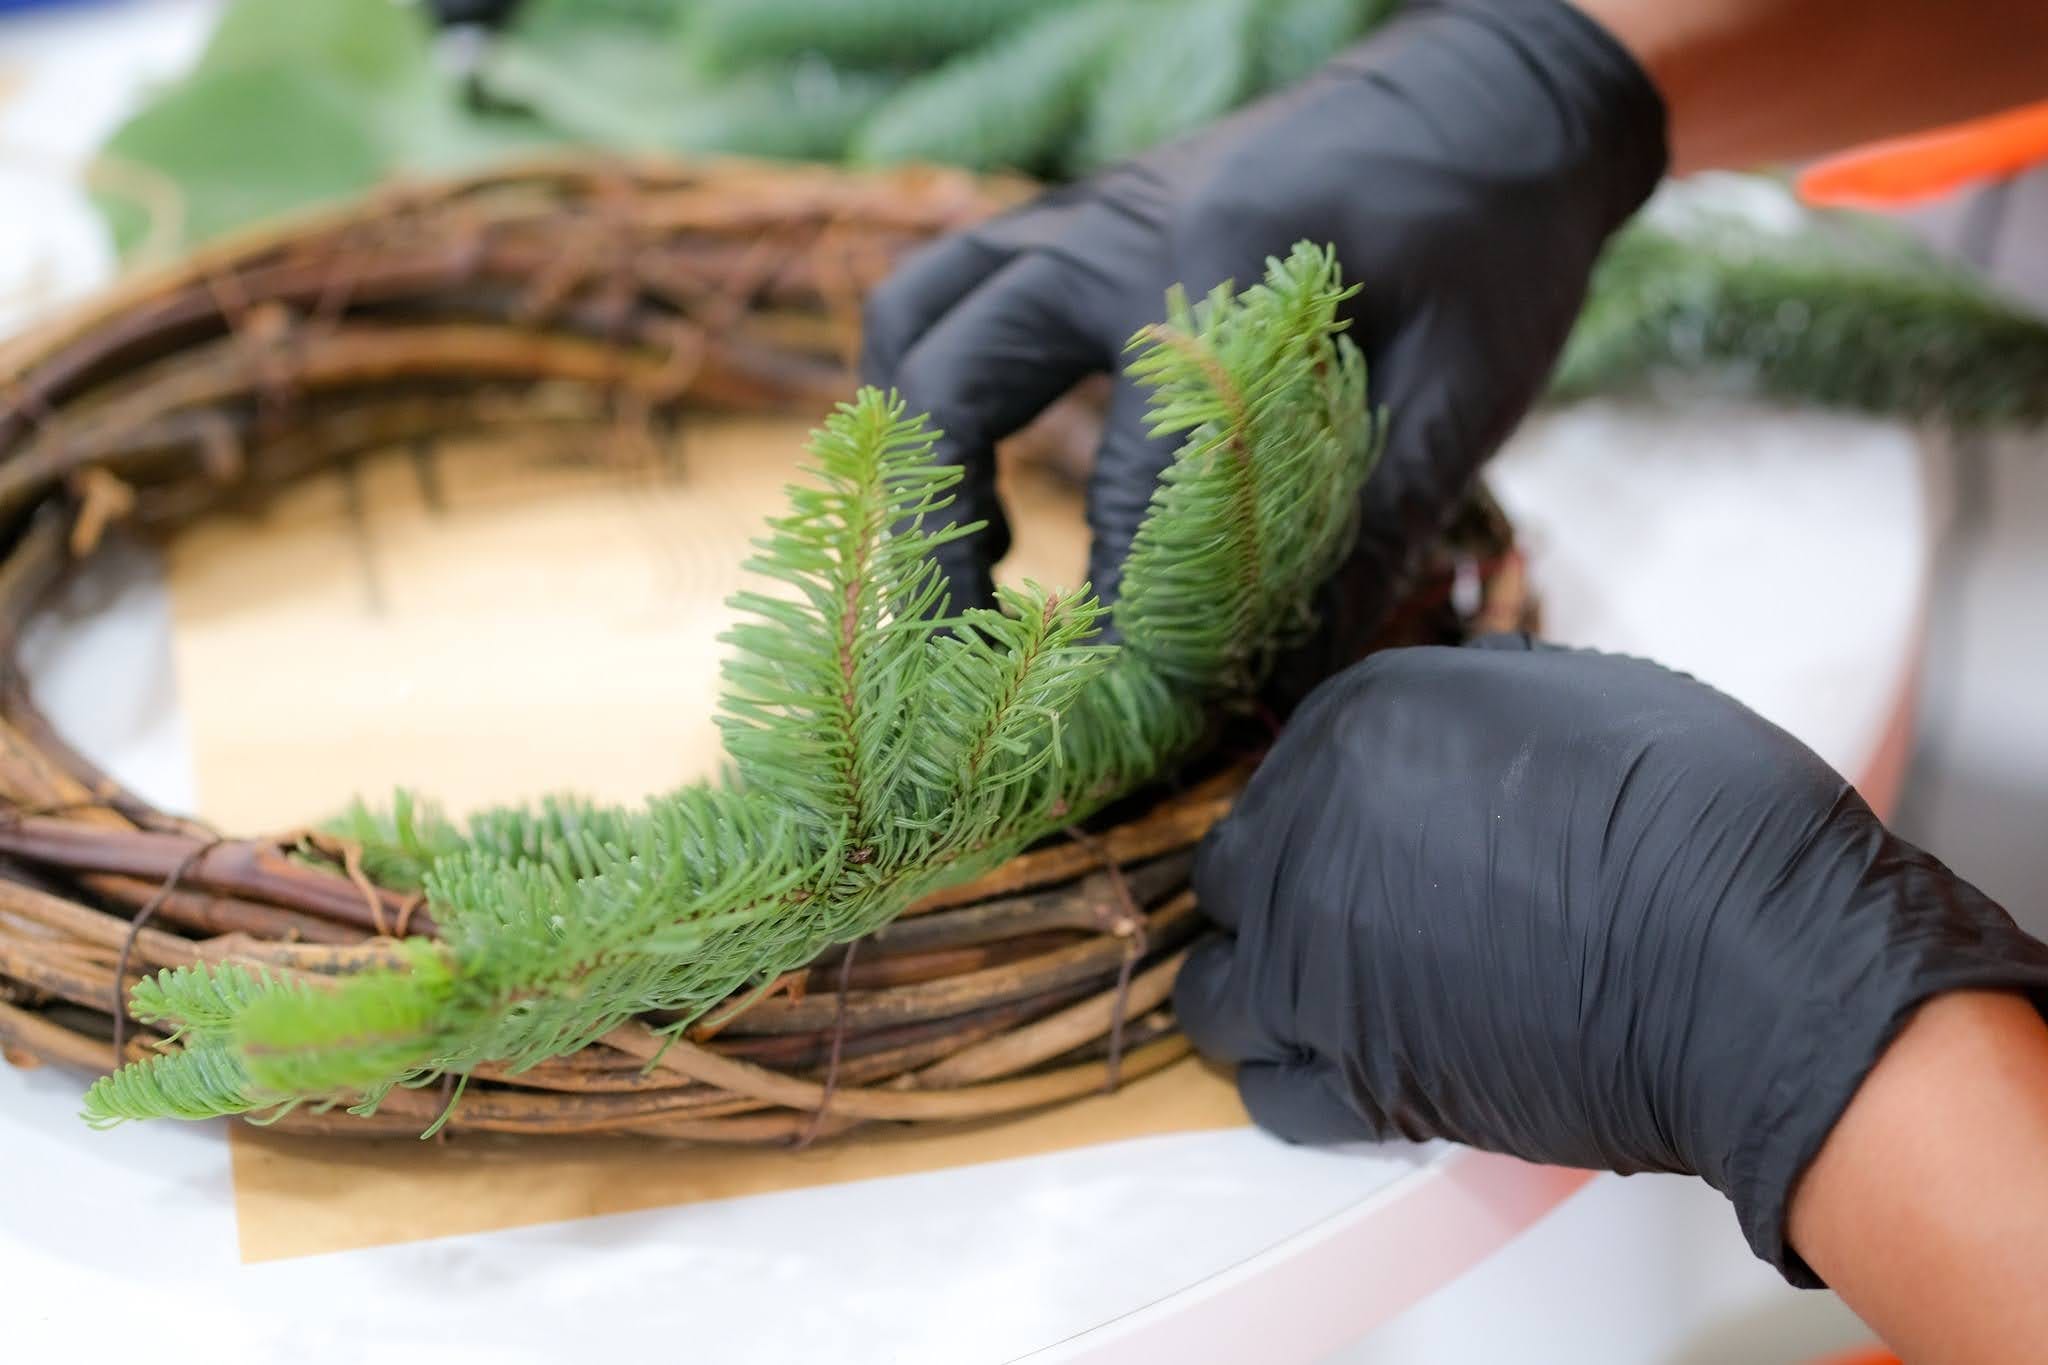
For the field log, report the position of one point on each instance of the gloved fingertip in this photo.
(1300, 1101)
(903, 307)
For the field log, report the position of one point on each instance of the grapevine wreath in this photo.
(950, 881)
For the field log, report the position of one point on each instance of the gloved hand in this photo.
(1573, 907)
(1466, 161)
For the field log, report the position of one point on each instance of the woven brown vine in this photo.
(576, 294)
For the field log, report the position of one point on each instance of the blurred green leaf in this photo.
(610, 86)
(296, 102)
(806, 110)
(245, 144)
(1013, 104)
(532, 20)
(726, 36)
(1180, 65)
(377, 44)
(606, 83)
(1297, 36)
(431, 129)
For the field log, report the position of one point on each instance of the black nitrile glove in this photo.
(1467, 162)
(1576, 908)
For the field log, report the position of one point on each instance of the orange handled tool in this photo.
(1910, 170)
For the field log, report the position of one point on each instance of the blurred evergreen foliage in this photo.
(296, 102)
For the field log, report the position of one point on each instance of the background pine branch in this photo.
(1840, 314)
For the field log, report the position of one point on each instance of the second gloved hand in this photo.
(1573, 907)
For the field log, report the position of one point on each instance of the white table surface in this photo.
(1782, 558)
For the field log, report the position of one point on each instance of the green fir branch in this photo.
(200, 1080)
(1210, 591)
(823, 687)
(878, 756)
(200, 1001)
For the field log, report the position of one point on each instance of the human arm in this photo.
(1747, 82)
(1927, 1207)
